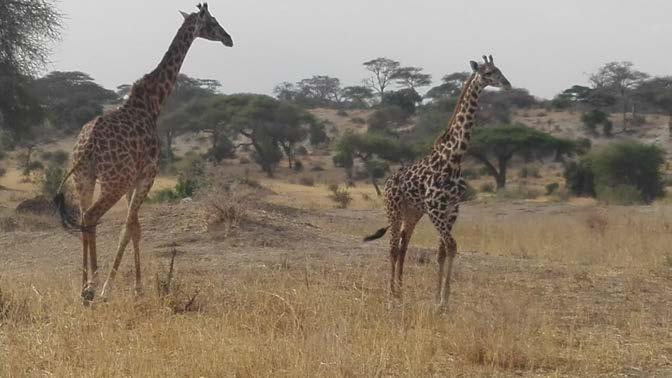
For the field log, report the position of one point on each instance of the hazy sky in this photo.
(544, 46)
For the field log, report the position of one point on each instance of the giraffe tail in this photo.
(68, 220)
(379, 234)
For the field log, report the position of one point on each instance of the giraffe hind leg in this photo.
(411, 219)
(85, 183)
(90, 219)
(131, 229)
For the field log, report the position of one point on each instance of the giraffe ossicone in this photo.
(434, 185)
(120, 151)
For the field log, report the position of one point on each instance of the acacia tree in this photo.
(382, 74)
(71, 98)
(270, 127)
(494, 147)
(322, 89)
(450, 87)
(370, 149)
(27, 30)
(658, 92)
(412, 78)
(177, 110)
(620, 78)
(357, 96)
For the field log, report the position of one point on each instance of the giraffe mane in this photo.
(463, 93)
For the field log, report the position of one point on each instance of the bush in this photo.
(164, 195)
(59, 157)
(48, 181)
(530, 171)
(317, 168)
(619, 195)
(184, 188)
(487, 187)
(243, 160)
(342, 113)
(616, 169)
(470, 173)
(469, 194)
(224, 149)
(340, 195)
(551, 188)
(301, 151)
(3, 171)
(594, 118)
(307, 181)
(358, 121)
(632, 164)
(298, 166)
(579, 178)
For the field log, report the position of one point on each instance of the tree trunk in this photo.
(169, 145)
(501, 175)
(375, 185)
(29, 153)
(625, 111)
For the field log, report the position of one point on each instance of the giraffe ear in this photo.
(474, 65)
(185, 15)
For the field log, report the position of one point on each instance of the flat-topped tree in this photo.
(120, 150)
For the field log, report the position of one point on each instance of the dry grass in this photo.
(320, 321)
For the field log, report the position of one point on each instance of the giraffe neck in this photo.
(152, 90)
(455, 140)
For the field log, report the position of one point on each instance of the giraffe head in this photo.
(490, 74)
(207, 26)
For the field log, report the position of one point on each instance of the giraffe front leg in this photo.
(394, 255)
(443, 220)
(450, 249)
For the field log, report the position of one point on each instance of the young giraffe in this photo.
(434, 184)
(120, 150)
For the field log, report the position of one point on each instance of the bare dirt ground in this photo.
(540, 288)
(293, 291)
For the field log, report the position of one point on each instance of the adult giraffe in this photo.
(434, 184)
(120, 150)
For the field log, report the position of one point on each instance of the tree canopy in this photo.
(494, 147)
(71, 98)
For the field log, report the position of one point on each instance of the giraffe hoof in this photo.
(88, 293)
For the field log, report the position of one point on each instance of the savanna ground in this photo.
(282, 285)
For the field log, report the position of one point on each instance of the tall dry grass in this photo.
(582, 294)
(320, 321)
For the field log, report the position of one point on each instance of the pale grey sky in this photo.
(544, 46)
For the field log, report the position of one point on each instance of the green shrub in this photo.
(579, 177)
(301, 151)
(307, 181)
(164, 195)
(59, 157)
(633, 164)
(340, 195)
(616, 169)
(594, 118)
(470, 174)
(487, 187)
(531, 170)
(470, 193)
(619, 195)
(48, 181)
(551, 188)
